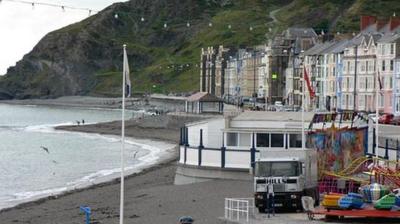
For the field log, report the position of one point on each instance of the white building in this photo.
(235, 142)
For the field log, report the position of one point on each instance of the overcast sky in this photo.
(22, 26)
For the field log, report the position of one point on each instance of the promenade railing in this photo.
(239, 209)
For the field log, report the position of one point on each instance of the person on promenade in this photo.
(270, 198)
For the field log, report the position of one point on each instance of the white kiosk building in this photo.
(233, 143)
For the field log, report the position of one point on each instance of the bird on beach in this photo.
(45, 149)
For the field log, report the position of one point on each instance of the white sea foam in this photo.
(156, 151)
(45, 128)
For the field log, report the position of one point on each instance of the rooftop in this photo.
(203, 97)
(273, 116)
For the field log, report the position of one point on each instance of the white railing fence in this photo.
(239, 209)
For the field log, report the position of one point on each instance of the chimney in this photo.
(394, 23)
(366, 21)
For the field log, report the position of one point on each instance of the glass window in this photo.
(277, 169)
(262, 140)
(391, 65)
(245, 139)
(383, 65)
(276, 140)
(392, 49)
(231, 139)
(295, 140)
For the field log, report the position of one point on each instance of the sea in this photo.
(38, 161)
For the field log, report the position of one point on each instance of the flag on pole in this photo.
(307, 79)
(380, 83)
(126, 75)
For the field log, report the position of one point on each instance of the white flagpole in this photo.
(303, 135)
(121, 211)
(377, 85)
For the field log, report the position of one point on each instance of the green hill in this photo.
(86, 58)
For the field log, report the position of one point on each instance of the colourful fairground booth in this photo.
(354, 179)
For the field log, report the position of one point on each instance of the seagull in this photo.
(55, 162)
(134, 155)
(45, 149)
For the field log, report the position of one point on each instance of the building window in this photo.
(232, 139)
(390, 82)
(366, 82)
(244, 139)
(391, 65)
(361, 83)
(351, 102)
(295, 140)
(277, 140)
(361, 101)
(391, 48)
(366, 101)
(381, 100)
(363, 66)
(262, 140)
(397, 104)
(383, 65)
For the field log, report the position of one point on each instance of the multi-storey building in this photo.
(337, 52)
(359, 73)
(386, 56)
(212, 70)
(396, 85)
(293, 42)
(315, 64)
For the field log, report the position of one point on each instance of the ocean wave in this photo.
(45, 128)
(153, 155)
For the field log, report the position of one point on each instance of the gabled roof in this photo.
(389, 38)
(203, 97)
(319, 48)
(339, 46)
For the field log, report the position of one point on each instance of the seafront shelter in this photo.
(203, 102)
(233, 143)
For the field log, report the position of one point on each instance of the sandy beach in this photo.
(151, 196)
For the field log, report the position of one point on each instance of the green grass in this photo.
(153, 50)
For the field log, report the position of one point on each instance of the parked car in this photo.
(395, 120)
(385, 118)
(278, 103)
(372, 117)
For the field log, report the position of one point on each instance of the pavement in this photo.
(301, 218)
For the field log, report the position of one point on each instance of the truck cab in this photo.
(291, 177)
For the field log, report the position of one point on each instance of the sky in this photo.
(22, 26)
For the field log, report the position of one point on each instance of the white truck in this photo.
(293, 174)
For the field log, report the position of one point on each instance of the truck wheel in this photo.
(261, 209)
(331, 217)
(316, 197)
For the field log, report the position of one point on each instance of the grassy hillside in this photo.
(173, 67)
(86, 58)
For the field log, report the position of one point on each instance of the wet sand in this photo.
(151, 196)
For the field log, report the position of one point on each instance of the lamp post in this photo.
(254, 55)
(355, 78)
